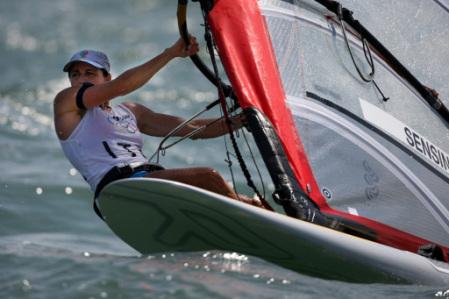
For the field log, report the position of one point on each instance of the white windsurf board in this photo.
(154, 216)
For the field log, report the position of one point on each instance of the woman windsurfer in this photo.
(104, 142)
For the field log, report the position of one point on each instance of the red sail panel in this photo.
(247, 54)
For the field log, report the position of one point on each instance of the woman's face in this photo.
(82, 72)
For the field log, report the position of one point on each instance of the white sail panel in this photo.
(362, 165)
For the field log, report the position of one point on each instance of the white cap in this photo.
(95, 58)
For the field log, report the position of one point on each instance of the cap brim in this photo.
(70, 63)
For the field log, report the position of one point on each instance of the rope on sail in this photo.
(366, 51)
(433, 101)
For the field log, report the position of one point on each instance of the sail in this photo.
(373, 152)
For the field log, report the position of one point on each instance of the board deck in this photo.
(154, 216)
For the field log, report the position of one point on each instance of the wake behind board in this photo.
(155, 216)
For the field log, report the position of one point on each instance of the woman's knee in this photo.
(207, 171)
(196, 176)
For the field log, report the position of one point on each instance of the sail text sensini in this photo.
(426, 148)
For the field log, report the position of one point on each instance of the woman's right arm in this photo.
(133, 78)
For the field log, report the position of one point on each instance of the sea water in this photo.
(52, 245)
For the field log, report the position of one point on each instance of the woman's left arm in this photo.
(216, 127)
(158, 124)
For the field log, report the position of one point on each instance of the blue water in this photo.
(51, 243)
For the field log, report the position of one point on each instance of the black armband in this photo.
(79, 95)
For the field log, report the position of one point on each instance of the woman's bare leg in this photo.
(205, 178)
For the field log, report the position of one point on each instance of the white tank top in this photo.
(102, 140)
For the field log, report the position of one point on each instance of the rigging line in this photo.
(255, 163)
(343, 28)
(228, 161)
(193, 133)
(179, 127)
(368, 56)
(228, 158)
(366, 51)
